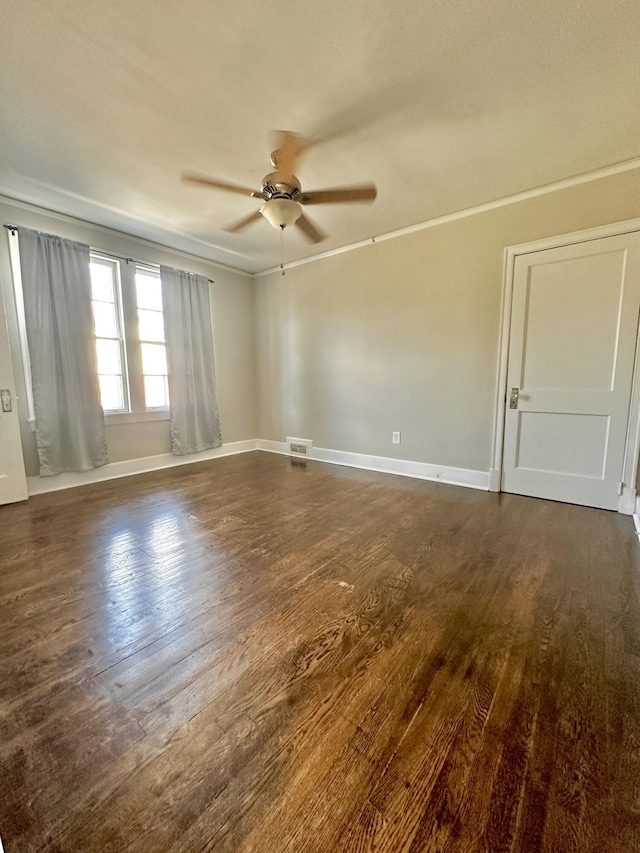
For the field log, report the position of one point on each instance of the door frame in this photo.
(627, 501)
(14, 481)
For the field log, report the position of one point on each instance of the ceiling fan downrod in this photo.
(282, 248)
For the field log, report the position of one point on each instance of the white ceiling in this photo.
(444, 105)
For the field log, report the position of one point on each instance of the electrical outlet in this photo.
(395, 437)
(5, 396)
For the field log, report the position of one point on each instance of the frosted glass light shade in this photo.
(281, 212)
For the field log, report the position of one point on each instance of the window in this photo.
(110, 345)
(16, 272)
(151, 329)
(129, 330)
(126, 298)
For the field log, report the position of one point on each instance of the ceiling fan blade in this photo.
(289, 147)
(195, 178)
(243, 223)
(365, 192)
(310, 230)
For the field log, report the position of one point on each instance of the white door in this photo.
(574, 326)
(13, 482)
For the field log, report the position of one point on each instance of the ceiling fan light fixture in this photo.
(282, 193)
(281, 212)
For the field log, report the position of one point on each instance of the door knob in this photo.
(513, 398)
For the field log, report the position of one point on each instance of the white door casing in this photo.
(13, 482)
(572, 345)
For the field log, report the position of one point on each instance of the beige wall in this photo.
(233, 326)
(398, 335)
(403, 334)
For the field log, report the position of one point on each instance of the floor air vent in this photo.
(299, 446)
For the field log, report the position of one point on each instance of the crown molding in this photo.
(536, 192)
(105, 229)
(545, 189)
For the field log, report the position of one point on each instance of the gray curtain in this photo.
(57, 301)
(195, 424)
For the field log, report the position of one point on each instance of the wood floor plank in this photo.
(250, 655)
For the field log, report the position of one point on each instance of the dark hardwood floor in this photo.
(254, 655)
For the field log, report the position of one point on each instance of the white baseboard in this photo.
(627, 502)
(383, 464)
(114, 470)
(636, 517)
(387, 465)
(484, 480)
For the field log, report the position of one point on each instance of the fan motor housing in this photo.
(274, 187)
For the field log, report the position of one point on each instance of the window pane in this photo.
(151, 325)
(111, 392)
(104, 317)
(108, 356)
(156, 392)
(149, 291)
(101, 281)
(154, 359)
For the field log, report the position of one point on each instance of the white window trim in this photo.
(127, 268)
(112, 418)
(16, 273)
(138, 266)
(122, 418)
(117, 287)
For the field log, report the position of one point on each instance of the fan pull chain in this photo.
(282, 248)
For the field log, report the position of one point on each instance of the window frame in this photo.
(138, 411)
(127, 317)
(16, 274)
(148, 269)
(98, 258)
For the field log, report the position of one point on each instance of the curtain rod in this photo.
(14, 229)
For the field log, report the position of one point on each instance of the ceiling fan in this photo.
(282, 193)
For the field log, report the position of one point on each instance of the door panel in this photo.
(562, 443)
(571, 357)
(572, 315)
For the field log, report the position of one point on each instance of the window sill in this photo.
(117, 418)
(123, 418)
